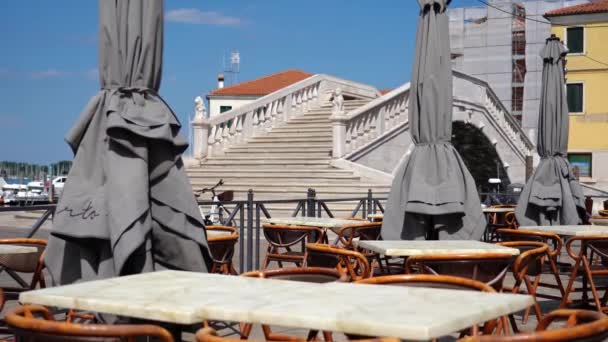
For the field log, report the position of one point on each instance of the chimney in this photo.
(220, 81)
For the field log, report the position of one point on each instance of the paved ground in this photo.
(15, 227)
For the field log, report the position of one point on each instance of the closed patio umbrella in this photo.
(127, 206)
(433, 192)
(552, 196)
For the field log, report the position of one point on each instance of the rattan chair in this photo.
(305, 274)
(34, 323)
(283, 238)
(488, 268)
(581, 325)
(210, 335)
(221, 248)
(29, 263)
(501, 220)
(442, 282)
(550, 261)
(529, 263)
(597, 246)
(347, 236)
(352, 263)
(363, 231)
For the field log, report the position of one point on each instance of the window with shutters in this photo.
(576, 99)
(575, 39)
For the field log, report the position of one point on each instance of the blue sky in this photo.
(49, 55)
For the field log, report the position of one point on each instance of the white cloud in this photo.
(48, 73)
(92, 74)
(196, 16)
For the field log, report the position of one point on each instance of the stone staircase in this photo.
(285, 162)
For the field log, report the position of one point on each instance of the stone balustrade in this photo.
(359, 127)
(355, 131)
(213, 136)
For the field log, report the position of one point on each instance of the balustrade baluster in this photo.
(348, 145)
(239, 128)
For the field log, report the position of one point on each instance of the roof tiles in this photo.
(597, 6)
(263, 85)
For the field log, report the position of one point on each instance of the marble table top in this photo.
(321, 222)
(423, 247)
(599, 221)
(580, 230)
(497, 210)
(212, 233)
(413, 313)
(16, 249)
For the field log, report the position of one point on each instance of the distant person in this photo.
(576, 171)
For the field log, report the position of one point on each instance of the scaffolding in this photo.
(500, 44)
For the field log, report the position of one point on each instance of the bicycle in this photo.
(217, 210)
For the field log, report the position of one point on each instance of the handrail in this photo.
(213, 136)
(355, 129)
(233, 113)
(376, 103)
(361, 129)
(500, 106)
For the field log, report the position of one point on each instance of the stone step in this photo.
(287, 138)
(272, 183)
(282, 153)
(273, 134)
(260, 180)
(295, 129)
(281, 163)
(301, 144)
(252, 172)
(309, 115)
(307, 125)
(288, 191)
(302, 120)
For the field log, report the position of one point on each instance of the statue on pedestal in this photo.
(337, 102)
(199, 108)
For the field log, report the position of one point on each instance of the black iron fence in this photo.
(247, 216)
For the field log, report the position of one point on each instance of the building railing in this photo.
(262, 115)
(247, 216)
(501, 115)
(377, 119)
(356, 128)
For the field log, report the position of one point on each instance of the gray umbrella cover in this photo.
(552, 195)
(127, 206)
(432, 189)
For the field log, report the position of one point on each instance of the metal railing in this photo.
(49, 211)
(248, 216)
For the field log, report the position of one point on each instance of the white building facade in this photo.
(500, 44)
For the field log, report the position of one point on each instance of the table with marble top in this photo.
(321, 222)
(497, 210)
(571, 230)
(214, 233)
(413, 313)
(403, 248)
(599, 221)
(6, 249)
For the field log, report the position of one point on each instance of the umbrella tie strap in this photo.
(138, 94)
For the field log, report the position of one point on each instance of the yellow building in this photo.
(584, 30)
